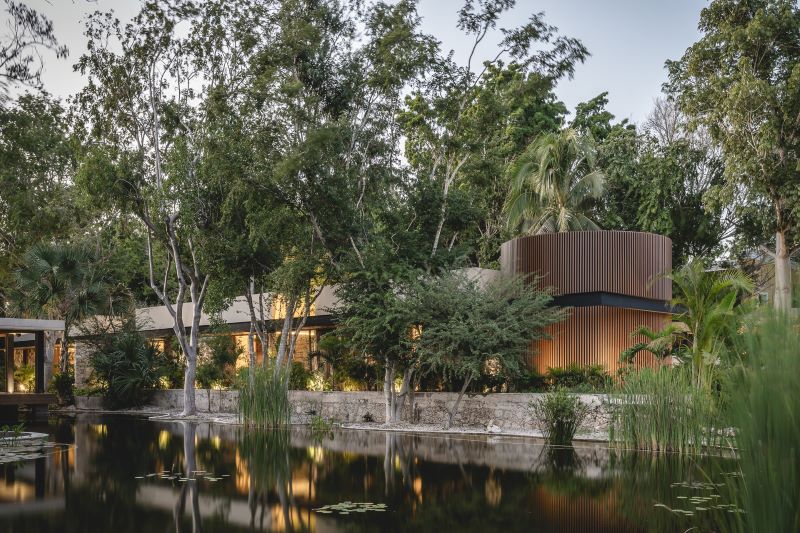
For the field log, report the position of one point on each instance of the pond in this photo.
(127, 474)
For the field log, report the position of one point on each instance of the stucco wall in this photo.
(508, 411)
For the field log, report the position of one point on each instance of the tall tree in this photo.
(145, 122)
(29, 33)
(37, 165)
(741, 81)
(553, 184)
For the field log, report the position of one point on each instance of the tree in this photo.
(37, 164)
(708, 301)
(468, 327)
(553, 184)
(60, 282)
(30, 32)
(145, 131)
(740, 80)
(659, 177)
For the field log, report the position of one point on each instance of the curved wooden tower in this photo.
(610, 279)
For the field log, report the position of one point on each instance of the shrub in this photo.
(530, 381)
(300, 376)
(25, 376)
(263, 398)
(583, 378)
(660, 410)
(173, 366)
(62, 385)
(127, 368)
(561, 414)
(218, 365)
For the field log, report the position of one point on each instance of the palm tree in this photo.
(553, 184)
(60, 282)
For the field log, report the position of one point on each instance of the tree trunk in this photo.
(400, 397)
(50, 338)
(783, 274)
(189, 404)
(388, 391)
(452, 413)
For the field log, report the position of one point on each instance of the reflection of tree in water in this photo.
(267, 453)
(189, 487)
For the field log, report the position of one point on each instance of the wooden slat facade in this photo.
(586, 262)
(620, 262)
(595, 335)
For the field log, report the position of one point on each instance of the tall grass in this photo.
(766, 413)
(561, 415)
(660, 410)
(263, 398)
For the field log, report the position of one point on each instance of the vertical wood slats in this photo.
(621, 262)
(595, 335)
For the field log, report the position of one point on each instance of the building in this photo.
(610, 279)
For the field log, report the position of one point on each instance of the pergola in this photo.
(10, 330)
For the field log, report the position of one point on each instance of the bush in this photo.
(127, 369)
(25, 376)
(173, 366)
(300, 376)
(217, 368)
(62, 385)
(579, 378)
(530, 381)
(263, 398)
(561, 414)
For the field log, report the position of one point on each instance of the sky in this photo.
(629, 41)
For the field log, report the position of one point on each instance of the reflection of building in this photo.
(613, 282)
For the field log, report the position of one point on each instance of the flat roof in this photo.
(18, 325)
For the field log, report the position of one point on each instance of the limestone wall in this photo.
(508, 411)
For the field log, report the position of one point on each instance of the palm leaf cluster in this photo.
(554, 184)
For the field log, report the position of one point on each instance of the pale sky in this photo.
(629, 41)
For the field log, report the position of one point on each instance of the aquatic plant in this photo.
(561, 414)
(263, 398)
(661, 410)
(766, 413)
(320, 428)
(346, 508)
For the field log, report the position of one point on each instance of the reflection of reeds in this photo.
(766, 412)
(660, 410)
(263, 398)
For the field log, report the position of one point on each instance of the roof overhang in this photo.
(19, 325)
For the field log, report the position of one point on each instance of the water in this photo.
(125, 474)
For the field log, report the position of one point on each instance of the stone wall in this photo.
(509, 411)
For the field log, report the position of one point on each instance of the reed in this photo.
(660, 410)
(766, 413)
(560, 414)
(263, 398)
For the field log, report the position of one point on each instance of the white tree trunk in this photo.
(388, 391)
(783, 274)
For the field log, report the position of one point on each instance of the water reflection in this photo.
(126, 474)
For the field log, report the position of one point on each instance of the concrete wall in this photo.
(508, 411)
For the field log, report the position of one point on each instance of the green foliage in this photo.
(710, 314)
(529, 381)
(561, 415)
(766, 414)
(554, 183)
(24, 375)
(62, 385)
(579, 378)
(468, 327)
(263, 398)
(740, 81)
(299, 377)
(320, 428)
(173, 365)
(661, 410)
(126, 367)
(217, 365)
(10, 435)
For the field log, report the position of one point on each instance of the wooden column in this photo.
(9, 362)
(39, 362)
